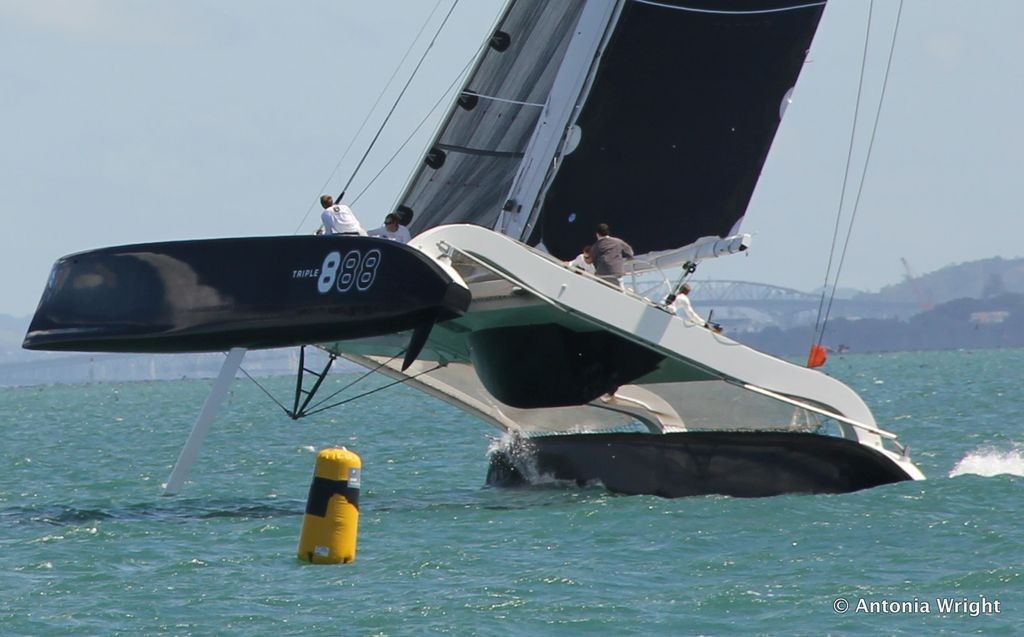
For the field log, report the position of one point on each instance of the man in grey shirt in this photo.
(610, 254)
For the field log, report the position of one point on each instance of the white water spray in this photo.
(989, 461)
(522, 455)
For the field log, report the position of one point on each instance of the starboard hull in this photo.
(740, 464)
(259, 292)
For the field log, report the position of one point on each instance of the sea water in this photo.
(88, 546)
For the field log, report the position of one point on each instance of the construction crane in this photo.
(923, 298)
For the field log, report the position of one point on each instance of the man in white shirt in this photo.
(392, 230)
(583, 261)
(339, 218)
(680, 303)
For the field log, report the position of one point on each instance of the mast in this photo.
(553, 135)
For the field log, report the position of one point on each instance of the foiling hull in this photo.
(740, 464)
(258, 292)
(544, 353)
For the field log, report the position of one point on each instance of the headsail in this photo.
(466, 174)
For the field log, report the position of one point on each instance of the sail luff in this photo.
(454, 104)
(560, 111)
(466, 174)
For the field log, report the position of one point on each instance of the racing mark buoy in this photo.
(331, 523)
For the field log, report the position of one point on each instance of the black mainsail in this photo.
(665, 138)
(674, 133)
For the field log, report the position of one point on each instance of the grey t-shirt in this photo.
(610, 256)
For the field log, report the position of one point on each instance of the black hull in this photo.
(211, 295)
(740, 464)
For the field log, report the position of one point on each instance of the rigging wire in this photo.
(370, 112)
(423, 121)
(264, 390)
(376, 389)
(316, 409)
(372, 371)
(398, 99)
(864, 171)
(818, 329)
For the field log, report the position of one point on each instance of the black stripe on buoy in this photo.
(321, 490)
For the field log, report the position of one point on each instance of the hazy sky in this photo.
(124, 121)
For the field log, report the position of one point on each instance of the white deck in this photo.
(708, 380)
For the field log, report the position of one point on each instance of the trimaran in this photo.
(655, 117)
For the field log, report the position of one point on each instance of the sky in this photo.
(127, 122)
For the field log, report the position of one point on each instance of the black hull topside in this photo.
(258, 292)
(672, 465)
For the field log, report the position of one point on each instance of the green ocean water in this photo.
(88, 546)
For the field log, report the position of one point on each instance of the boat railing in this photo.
(886, 436)
(648, 280)
(643, 281)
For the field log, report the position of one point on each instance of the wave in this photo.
(988, 461)
(180, 511)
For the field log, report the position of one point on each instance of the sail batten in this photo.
(482, 141)
(508, 101)
(479, 151)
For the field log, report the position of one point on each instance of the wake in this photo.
(988, 462)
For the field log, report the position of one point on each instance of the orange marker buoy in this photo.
(817, 356)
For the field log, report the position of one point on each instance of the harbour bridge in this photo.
(746, 305)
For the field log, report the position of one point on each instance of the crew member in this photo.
(392, 230)
(610, 254)
(680, 302)
(339, 218)
(584, 260)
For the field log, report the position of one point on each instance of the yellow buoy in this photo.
(331, 523)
